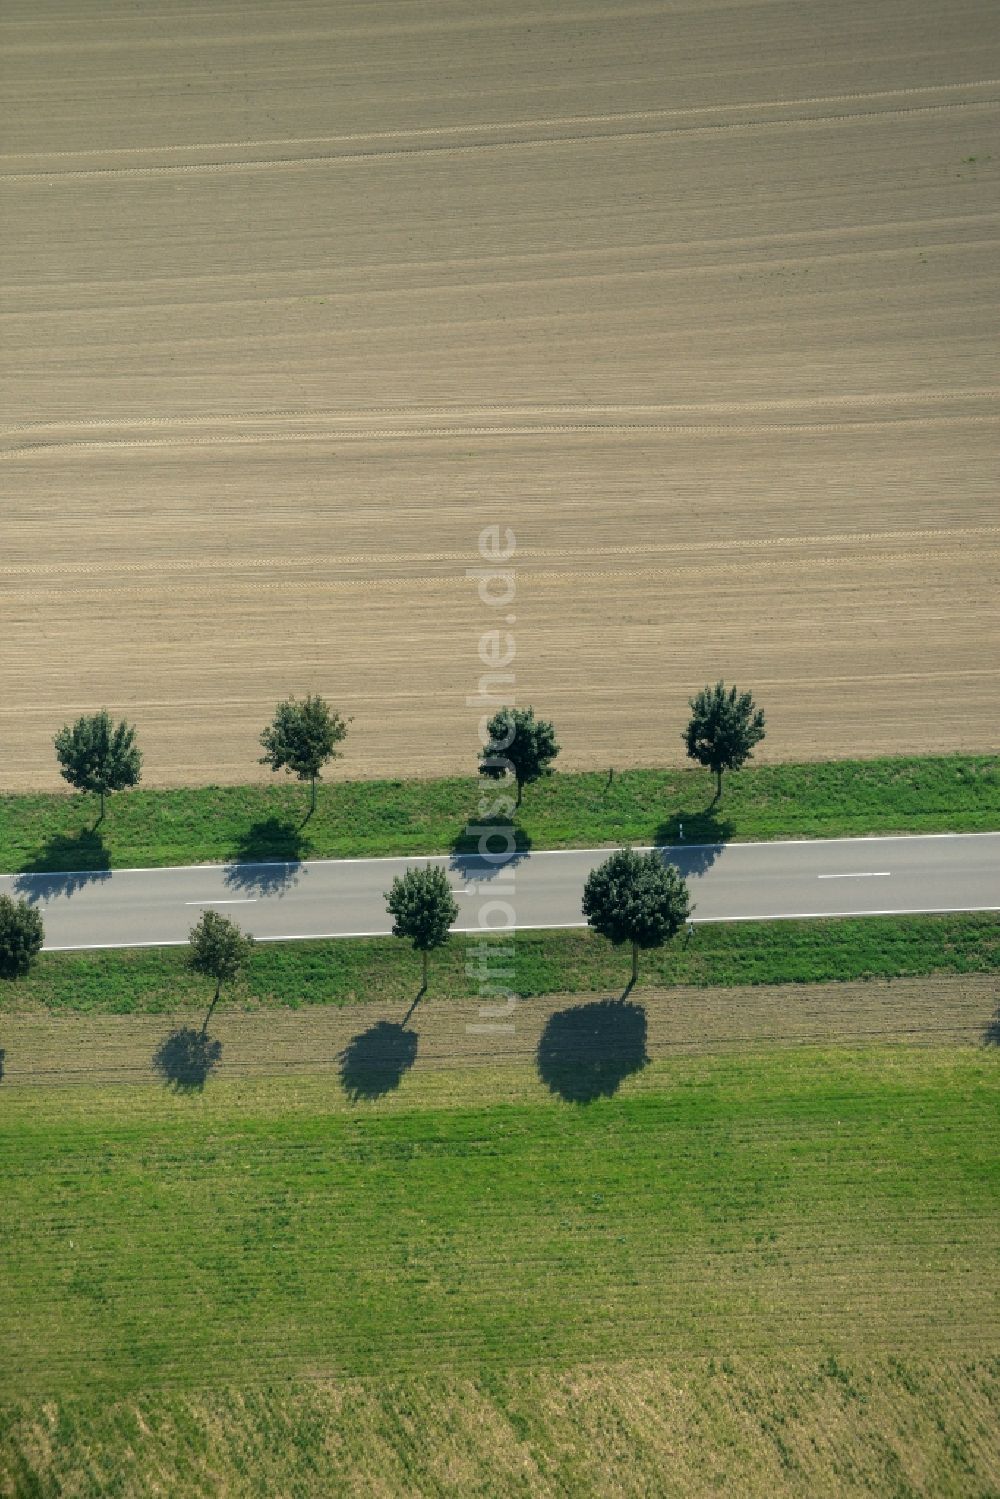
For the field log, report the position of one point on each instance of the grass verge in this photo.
(386, 971)
(150, 828)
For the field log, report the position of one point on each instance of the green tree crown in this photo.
(422, 906)
(21, 935)
(303, 737)
(98, 755)
(636, 898)
(519, 743)
(724, 727)
(218, 948)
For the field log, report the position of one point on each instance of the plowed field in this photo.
(699, 301)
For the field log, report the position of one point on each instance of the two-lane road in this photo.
(345, 897)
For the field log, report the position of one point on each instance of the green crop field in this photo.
(772, 1255)
(825, 799)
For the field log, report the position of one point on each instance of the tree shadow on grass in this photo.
(496, 845)
(64, 864)
(413, 1004)
(14, 968)
(186, 1058)
(705, 836)
(267, 860)
(374, 1062)
(587, 1052)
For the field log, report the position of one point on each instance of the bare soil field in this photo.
(699, 301)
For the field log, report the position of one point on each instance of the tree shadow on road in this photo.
(64, 864)
(586, 1052)
(186, 1058)
(705, 836)
(505, 845)
(374, 1062)
(268, 857)
(991, 1035)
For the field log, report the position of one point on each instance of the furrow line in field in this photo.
(536, 123)
(526, 556)
(452, 580)
(542, 430)
(419, 414)
(327, 159)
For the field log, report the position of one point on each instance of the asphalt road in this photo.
(344, 898)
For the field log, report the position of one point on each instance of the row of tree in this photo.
(630, 898)
(99, 756)
(724, 727)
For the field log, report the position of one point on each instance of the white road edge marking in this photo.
(603, 848)
(867, 874)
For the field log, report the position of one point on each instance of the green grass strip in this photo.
(387, 971)
(826, 799)
(792, 1197)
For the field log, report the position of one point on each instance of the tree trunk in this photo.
(424, 955)
(312, 804)
(718, 785)
(635, 962)
(520, 788)
(101, 818)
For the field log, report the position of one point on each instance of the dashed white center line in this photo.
(865, 874)
(250, 900)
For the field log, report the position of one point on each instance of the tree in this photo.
(218, 950)
(423, 907)
(302, 737)
(725, 725)
(95, 754)
(21, 934)
(636, 898)
(519, 743)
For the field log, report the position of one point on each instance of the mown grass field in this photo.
(824, 799)
(778, 1263)
(385, 970)
(270, 1227)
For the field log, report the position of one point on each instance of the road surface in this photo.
(345, 897)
